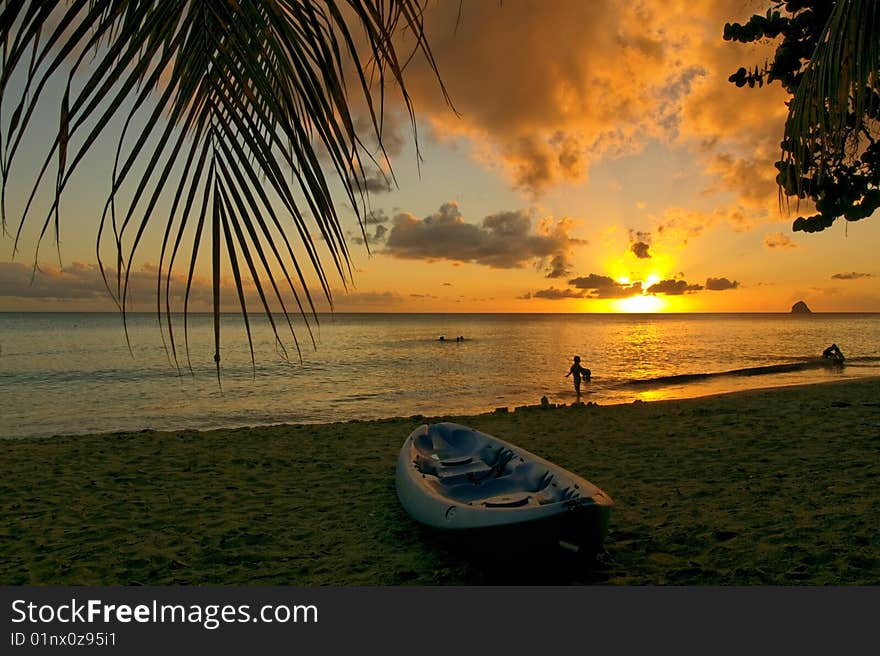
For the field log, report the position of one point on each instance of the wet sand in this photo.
(763, 487)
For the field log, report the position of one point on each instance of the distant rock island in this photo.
(800, 308)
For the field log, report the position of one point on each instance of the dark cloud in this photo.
(555, 294)
(640, 249)
(672, 288)
(852, 275)
(592, 281)
(374, 217)
(598, 286)
(537, 161)
(559, 267)
(377, 184)
(640, 242)
(620, 291)
(80, 283)
(605, 287)
(502, 241)
(395, 131)
(720, 284)
(377, 237)
(80, 286)
(373, 182)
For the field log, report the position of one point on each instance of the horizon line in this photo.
(398, 312)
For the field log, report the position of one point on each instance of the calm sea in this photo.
(73, 373)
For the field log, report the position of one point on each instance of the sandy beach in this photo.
(761, 487)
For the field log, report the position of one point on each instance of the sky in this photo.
(596, 160)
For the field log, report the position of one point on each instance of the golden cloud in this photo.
(779, 240)
(544, 90)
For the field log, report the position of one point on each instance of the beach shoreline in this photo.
(762, 486)
(586, 399)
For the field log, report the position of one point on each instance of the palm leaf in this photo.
(233, 95)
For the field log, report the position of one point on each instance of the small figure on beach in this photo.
(459, 339)
(579, 373)
(833, 352)
(442, 339)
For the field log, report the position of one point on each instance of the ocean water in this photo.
(65, 373)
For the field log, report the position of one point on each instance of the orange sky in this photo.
(598, 149)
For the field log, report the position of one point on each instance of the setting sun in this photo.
(653, 279)
(641, 303)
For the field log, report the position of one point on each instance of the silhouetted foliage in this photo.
(235, 108)
(829, 60)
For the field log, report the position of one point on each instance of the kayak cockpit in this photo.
(467, 467)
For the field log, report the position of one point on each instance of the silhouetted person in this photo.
(578, 372)
(833, 352)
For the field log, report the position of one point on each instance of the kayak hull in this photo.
(474, 487)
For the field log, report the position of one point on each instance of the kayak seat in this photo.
(455, 462)
(451, 471)
(507, 501)
(462, 472)
(526, 482)
(443, 443)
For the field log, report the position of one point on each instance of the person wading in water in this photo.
(578, 372)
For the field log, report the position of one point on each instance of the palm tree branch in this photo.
(251, 99)
(243, 201)
(220, 211)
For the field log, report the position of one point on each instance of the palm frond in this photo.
(244, 100)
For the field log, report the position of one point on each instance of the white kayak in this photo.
(473, 485)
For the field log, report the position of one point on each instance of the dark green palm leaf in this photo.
(233, 94)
